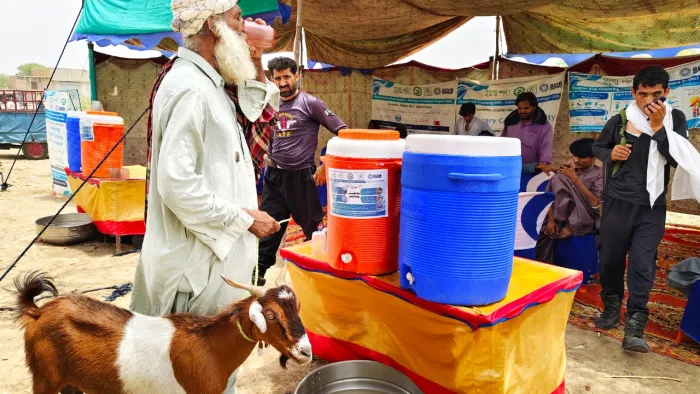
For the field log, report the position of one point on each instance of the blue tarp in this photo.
(14, 125)
(571, 59)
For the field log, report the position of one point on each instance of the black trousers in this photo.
(285, 193)
(636, 229)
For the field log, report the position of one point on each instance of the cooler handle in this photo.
(456, 176)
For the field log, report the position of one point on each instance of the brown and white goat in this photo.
(78, 344)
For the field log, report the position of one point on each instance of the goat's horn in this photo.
(254, 290)
(282, 277)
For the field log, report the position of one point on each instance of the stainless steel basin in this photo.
(67, 229)
(357, 377)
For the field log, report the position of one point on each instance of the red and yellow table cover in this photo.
(513, 346)
(116, 207)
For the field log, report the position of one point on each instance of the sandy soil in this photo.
(92, 265)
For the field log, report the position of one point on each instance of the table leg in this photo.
(119, 244)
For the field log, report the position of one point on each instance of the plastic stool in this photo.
(690, 325)
(578, 253)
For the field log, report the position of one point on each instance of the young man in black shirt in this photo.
(629, 222)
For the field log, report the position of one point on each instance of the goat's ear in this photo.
(257, 317)
(254, 290)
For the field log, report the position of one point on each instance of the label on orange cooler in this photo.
(87, 133)
(358, 194)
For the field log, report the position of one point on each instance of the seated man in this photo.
(469, 124)
(577, 189)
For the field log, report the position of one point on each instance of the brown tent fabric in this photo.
(621, 67)
(604, 26)
(370, 34)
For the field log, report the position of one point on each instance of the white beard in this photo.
(232, 55)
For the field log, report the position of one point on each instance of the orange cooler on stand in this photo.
(364, 200)
(99, 131)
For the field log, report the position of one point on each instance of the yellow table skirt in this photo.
(513, 346)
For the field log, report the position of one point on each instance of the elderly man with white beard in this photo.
(202, 216)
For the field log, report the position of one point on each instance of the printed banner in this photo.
(57, 105)
(593, 99)
(426, 109)
(495, 100)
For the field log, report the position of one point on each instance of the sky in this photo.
(40, 37)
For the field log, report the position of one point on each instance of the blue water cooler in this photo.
(73, 140)
(459, 202)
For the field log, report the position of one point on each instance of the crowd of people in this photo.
(203, 217)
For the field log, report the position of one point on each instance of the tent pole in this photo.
(298, 36)
(494, 72)
(93, 79)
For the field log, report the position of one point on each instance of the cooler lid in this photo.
(462, 145)
(75, 114)
(367, 144)
(101, 119)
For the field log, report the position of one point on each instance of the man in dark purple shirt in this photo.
(529, 124)
(291, 176)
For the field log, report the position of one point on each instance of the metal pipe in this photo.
(298, 36)
(494, 65)
(93, 78)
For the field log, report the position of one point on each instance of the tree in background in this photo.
(26, 69)
(4, 81)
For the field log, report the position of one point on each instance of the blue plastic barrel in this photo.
(578, 253)
(459, 202)
(73, 140)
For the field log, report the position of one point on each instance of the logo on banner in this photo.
(518, 90)
(417, 91)
(437, 91)
(685, 72)
(398, 118)
(544, 88)
(448, 91)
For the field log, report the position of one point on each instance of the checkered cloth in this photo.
(257, 133)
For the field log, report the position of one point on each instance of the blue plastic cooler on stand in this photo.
(459, 201)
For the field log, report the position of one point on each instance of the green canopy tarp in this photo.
(129, 17)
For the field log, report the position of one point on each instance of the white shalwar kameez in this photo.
(201, 179)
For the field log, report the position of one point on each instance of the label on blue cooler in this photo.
(358, 194)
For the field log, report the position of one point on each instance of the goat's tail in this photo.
(33, 284)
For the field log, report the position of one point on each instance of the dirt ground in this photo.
(92, 265)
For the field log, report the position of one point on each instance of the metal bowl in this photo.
(67, 229)
(357, 377)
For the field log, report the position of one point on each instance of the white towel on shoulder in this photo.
(686, 181)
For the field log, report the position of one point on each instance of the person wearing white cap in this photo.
(202, 219)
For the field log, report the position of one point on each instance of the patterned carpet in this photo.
(666, 304)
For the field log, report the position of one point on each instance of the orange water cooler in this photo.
(99, 131)
(363, 169)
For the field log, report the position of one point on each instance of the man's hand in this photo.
(569, 171)
(552, 229)
(255, 52)
(656, 114)
(263, 224)
(544, 167)
(320, 176)
(620, 152)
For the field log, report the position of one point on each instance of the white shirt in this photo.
(476, 126)
(201, 177)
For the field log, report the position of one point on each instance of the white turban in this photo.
(189, 15)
